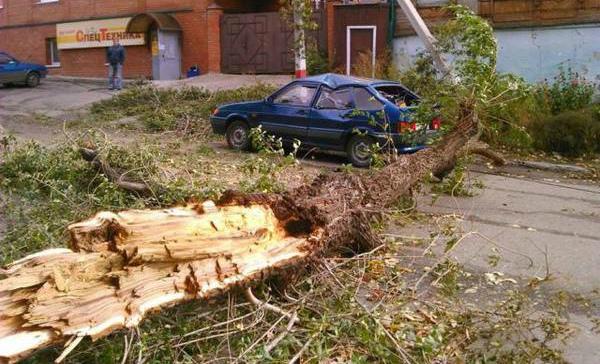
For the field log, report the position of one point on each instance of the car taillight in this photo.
(436, 124)
(405, 126)
(216, 111)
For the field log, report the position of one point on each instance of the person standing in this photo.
(115, 57)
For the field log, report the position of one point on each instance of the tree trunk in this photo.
(124, 265)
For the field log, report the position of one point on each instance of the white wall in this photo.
(534, 53)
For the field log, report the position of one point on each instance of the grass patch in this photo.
(186, 109)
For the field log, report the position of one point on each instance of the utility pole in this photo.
(299, 38)
(424, 34)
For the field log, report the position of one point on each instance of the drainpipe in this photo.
(391, 24)
(299, 39)
(424, 34)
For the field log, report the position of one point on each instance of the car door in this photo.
(286, 113)
(13, 70)
(340, 112)
(370, 112)
(331, 118)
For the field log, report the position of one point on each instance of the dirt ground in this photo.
(538, 223)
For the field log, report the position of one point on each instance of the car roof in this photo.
(334, 80)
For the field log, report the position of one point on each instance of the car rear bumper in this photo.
(219, 124)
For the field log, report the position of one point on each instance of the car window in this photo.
(335, 99)
(365, 100)
(297, 95)
(4, 59)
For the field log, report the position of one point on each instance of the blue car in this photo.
(12, 71)
(330, 112)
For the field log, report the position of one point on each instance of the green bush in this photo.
(570, 133)
(316, 60)
(569, 91)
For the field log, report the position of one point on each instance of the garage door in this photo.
(256, 43)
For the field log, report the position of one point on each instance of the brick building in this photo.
(70, 36)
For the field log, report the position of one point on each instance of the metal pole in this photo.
(424, 34)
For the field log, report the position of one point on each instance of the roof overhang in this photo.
(141, 23)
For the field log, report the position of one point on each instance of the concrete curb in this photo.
(552, 167)
(87, 80)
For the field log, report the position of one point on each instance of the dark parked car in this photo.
(13, 71)
(330, 112)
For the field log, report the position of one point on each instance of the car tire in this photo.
(238, 135)
(358, 151)
(32, 80)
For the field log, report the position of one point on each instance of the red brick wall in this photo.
(21, 34)
(27, 44)
(25, 39)
(90, 62)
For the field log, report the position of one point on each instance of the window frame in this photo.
(52, 56)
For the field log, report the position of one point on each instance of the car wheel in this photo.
(238, 135)
(33, 79)
(359, 151)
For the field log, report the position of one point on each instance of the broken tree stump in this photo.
(124, 265)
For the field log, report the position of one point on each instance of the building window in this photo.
(52, 55)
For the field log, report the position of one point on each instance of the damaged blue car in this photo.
(333, 113)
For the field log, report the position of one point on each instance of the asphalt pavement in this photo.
(536, 225)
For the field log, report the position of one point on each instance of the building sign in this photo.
(96, 33)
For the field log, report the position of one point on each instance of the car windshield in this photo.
(5, 58)
(398, 95)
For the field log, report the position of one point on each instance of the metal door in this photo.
(166, 55)
(256, 43)
(263, 42)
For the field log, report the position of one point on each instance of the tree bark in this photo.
(122, 266)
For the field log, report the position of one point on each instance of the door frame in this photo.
(349, 30)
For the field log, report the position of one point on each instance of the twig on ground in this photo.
(302, 350)
(265, 305)
(269, 330)
(281, 336)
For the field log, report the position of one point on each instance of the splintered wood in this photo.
(123, 265)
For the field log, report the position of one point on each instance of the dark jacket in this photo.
(115, 54)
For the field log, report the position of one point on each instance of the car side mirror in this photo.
(268, 100)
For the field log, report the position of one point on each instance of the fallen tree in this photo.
(121, 266)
